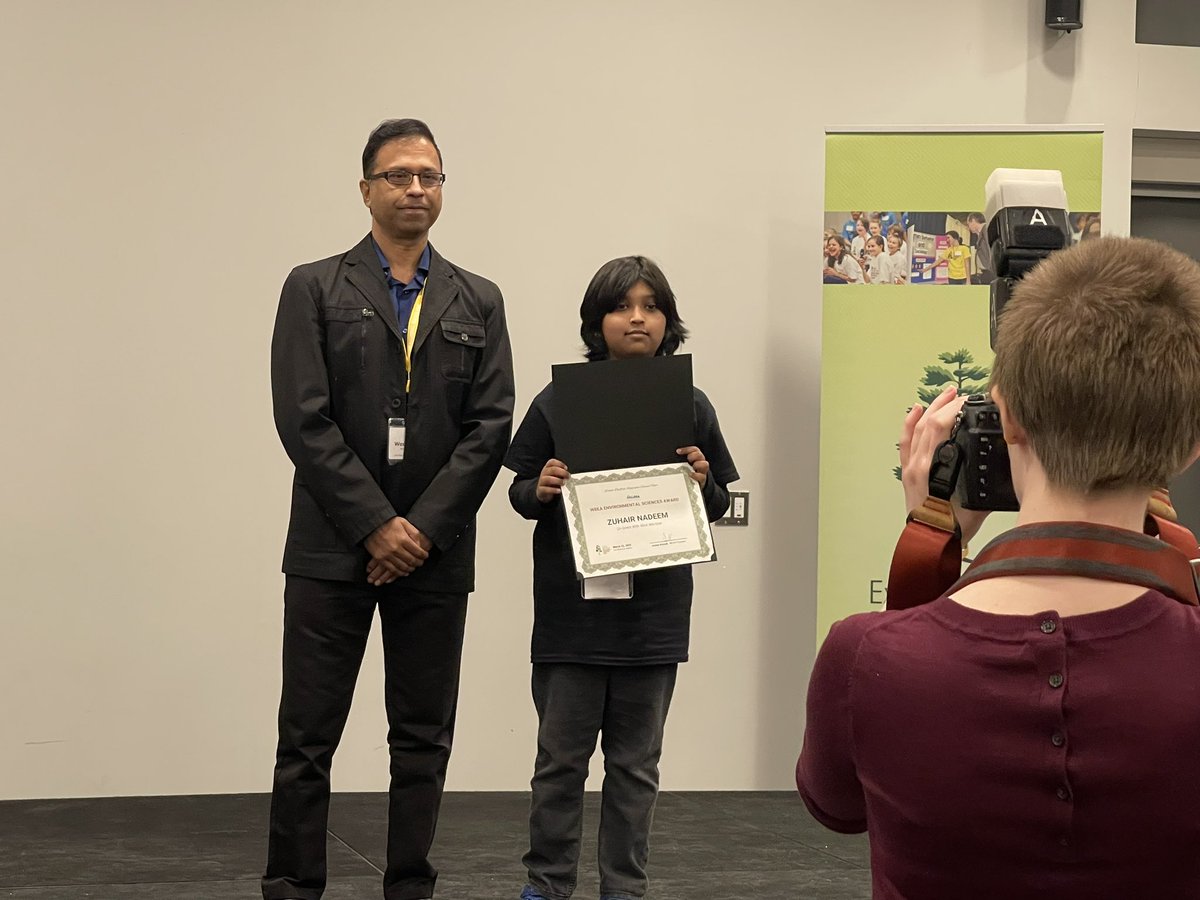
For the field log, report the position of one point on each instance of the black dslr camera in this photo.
(1026, 216)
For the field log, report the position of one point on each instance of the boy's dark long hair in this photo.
(609, 286)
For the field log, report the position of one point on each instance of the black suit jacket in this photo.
(337, 376)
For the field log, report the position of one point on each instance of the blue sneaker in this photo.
(529, 892)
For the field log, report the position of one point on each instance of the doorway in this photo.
(1165, 206)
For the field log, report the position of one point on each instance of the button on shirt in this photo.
(404, 295)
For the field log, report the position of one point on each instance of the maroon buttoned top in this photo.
(1015, 757)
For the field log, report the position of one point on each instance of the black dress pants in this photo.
(326, 625)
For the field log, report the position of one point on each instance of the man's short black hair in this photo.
(393, 130)
(609, 286)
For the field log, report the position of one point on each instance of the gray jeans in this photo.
(627, 706)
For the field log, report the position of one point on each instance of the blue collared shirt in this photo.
(404, 295)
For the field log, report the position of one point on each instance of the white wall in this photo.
(164, 165)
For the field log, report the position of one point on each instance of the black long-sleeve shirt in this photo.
(652, 627)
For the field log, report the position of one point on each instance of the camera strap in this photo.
(1086, 550)
(927, 560)
(928, 556)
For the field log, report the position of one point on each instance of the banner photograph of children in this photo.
(944, 248)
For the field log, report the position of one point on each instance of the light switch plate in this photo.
(739, 509)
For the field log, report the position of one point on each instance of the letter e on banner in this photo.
(877, 590)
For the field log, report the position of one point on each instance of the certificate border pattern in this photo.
(589, 568)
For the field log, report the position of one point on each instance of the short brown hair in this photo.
(1098, 359)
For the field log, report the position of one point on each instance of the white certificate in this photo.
(627, 520)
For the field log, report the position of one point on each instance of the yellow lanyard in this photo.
(410, 338)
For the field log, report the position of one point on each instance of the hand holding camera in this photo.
(922, 436)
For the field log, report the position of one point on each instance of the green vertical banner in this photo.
(905, 313)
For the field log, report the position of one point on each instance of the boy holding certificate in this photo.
(605, 667)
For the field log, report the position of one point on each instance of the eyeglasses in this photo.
(402, 178)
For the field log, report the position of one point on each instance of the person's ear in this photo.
(1014, 433)
(1191, 459)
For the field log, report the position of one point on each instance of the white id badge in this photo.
(608, 587)
(395, 441)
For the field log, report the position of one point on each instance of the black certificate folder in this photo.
(617, 413)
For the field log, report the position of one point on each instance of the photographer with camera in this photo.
(1028, 733)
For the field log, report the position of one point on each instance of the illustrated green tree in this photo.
(967, 377)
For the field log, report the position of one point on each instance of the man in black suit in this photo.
(392, 381)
